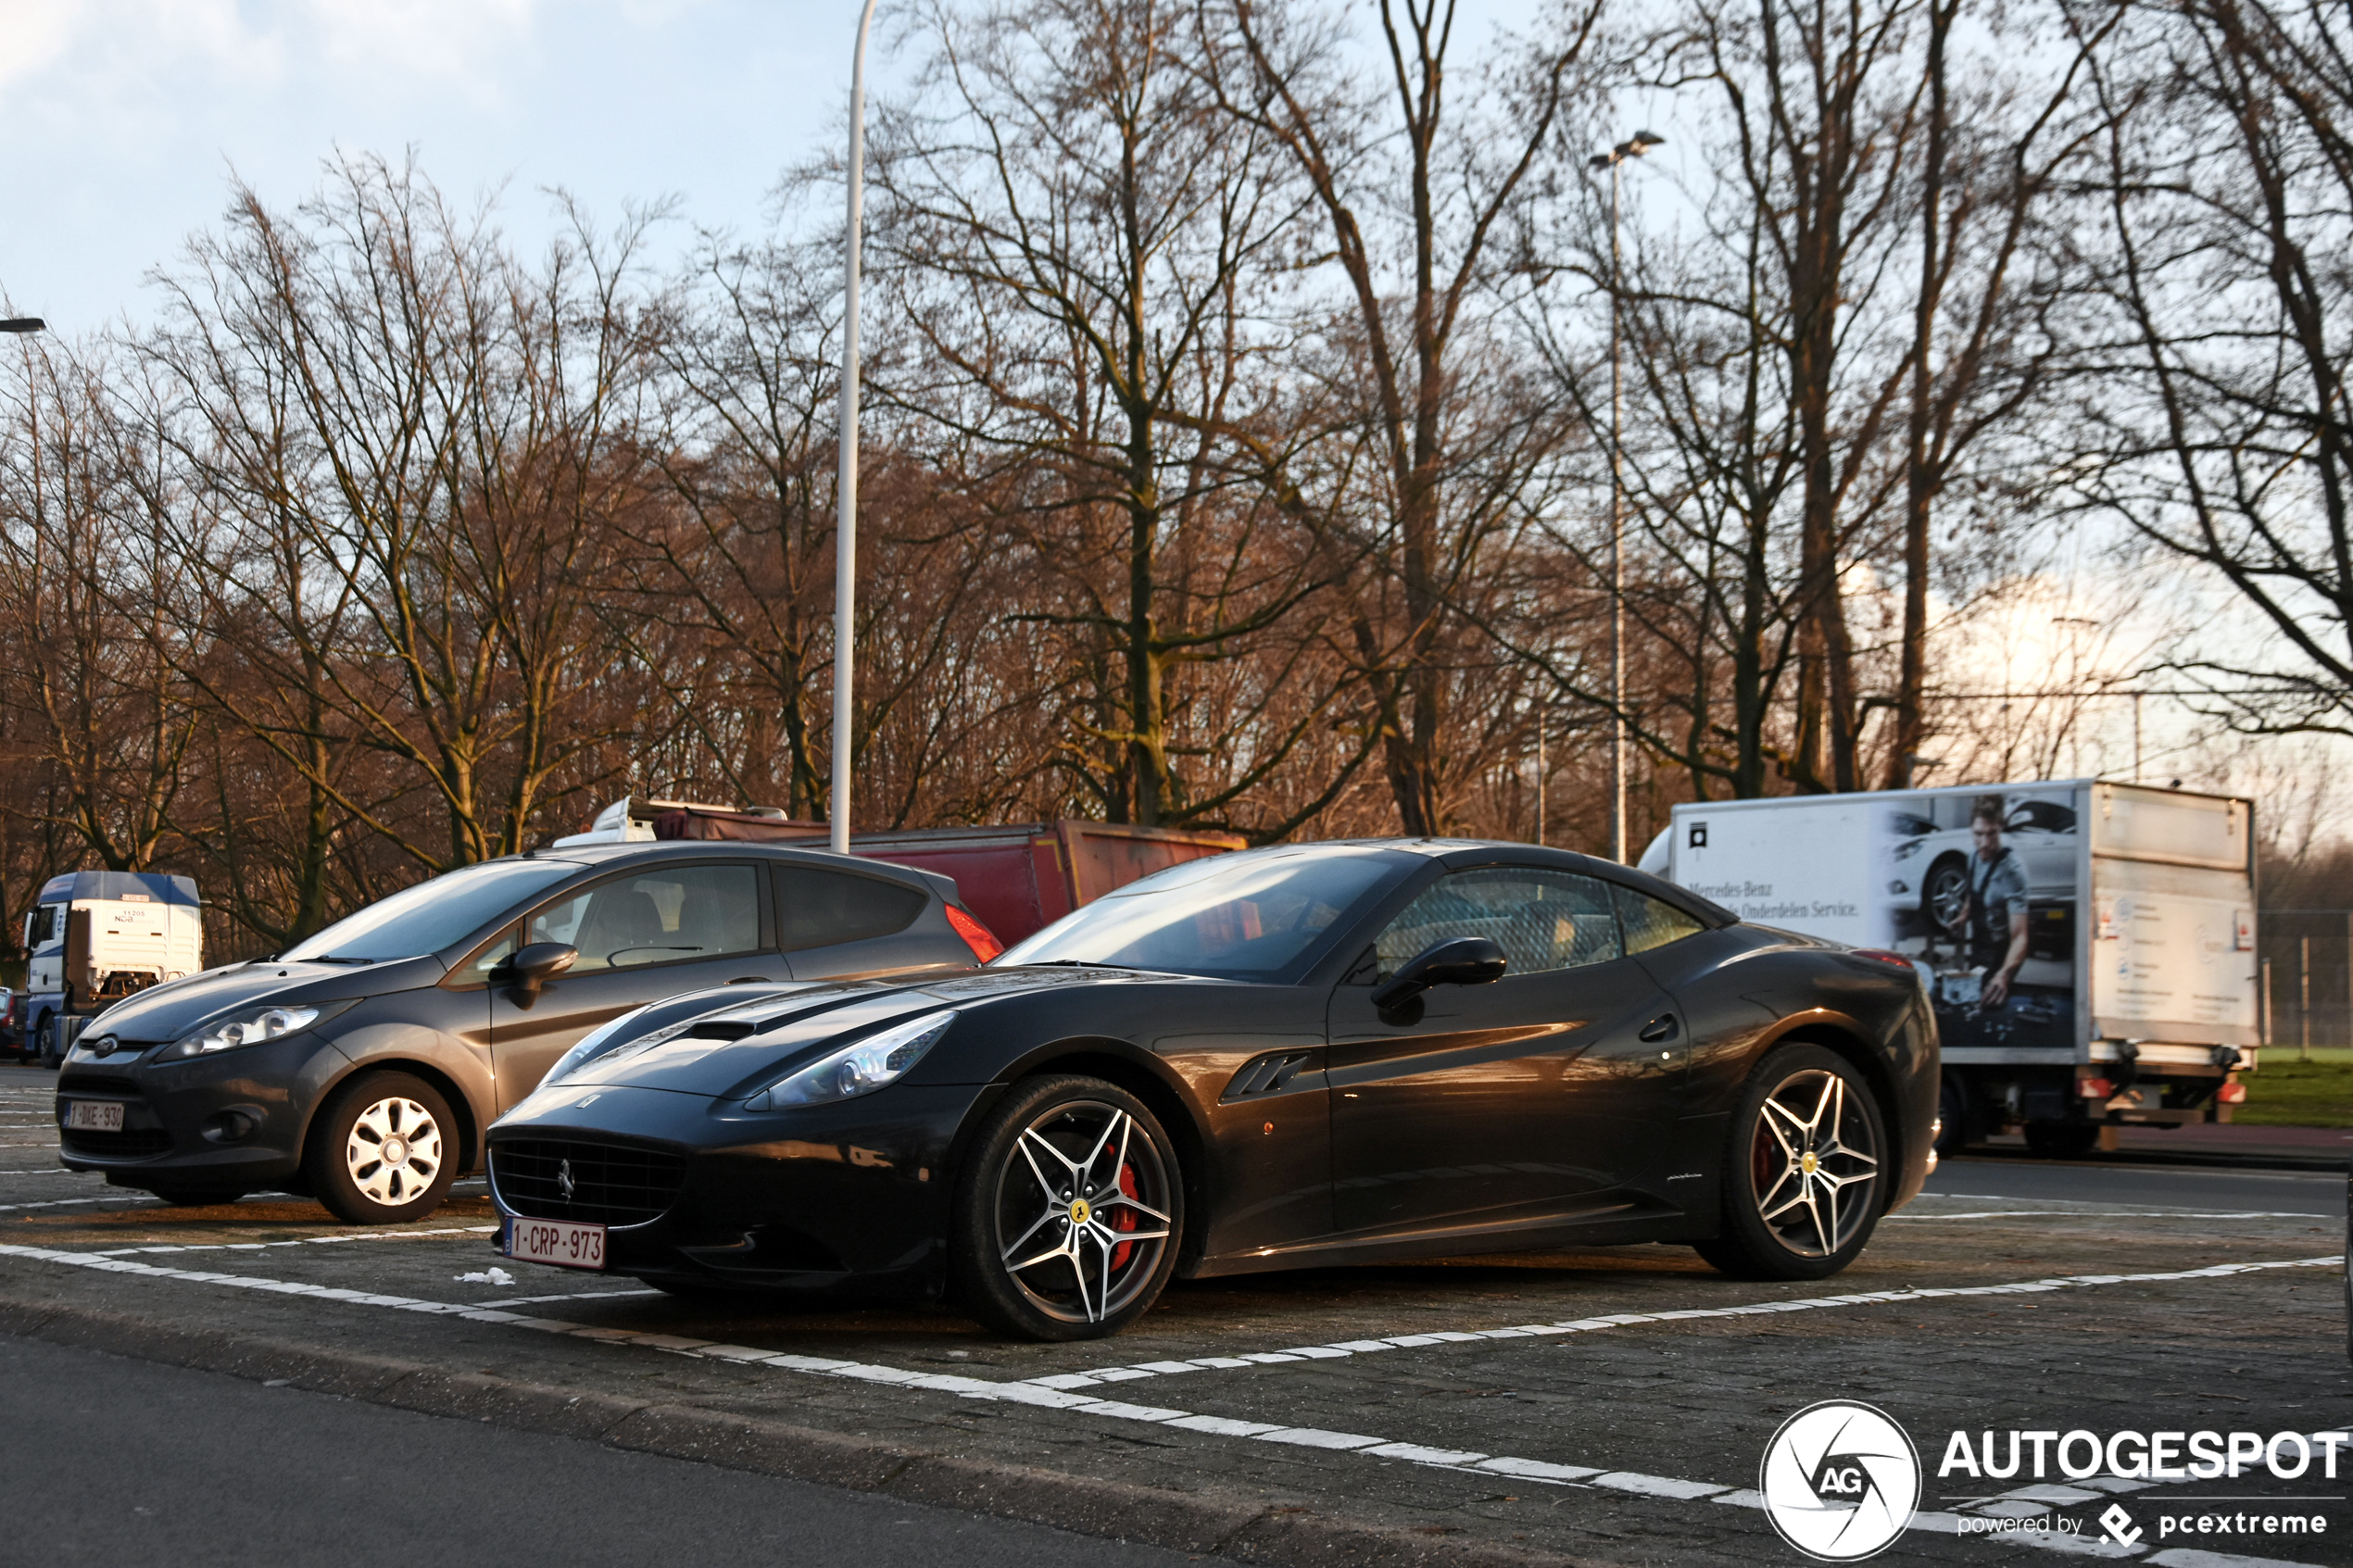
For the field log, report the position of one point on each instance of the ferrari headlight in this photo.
(861, 1069)
(251, 1029)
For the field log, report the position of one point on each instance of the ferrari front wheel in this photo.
(1803, 1181)
(1069, 1213)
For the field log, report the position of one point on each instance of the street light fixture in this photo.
(23, 324)
(845, 485)
(1633, 146)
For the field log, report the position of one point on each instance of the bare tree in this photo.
(1085, 250)
(2225, 437)
(85, 595)
(418, 433)
(1461, 178)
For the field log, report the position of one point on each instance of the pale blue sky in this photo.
(120, 119)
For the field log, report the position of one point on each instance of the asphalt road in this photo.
(2055, 1181)
(123, 1463)
(1605, 1407)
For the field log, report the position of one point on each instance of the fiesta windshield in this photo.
(431, 915)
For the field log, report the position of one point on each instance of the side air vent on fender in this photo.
(1265, 1074)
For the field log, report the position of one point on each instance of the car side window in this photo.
(668, 914)
(1542, 920)
(818, 908)
(495, 952)
(1651, 922)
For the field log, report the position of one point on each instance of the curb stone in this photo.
(1196, 1523)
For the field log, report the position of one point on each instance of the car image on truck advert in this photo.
(2088, 946)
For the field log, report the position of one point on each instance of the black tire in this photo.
(1063, 1168)
(2062, 1140)
(370, 1112)
(1951, 1109)
(45, 1038)
(1824, 1130)
(195, 1197)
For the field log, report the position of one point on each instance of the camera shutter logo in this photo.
(1839, 1481)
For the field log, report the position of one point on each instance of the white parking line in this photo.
(1030, 1392)
(567, 1296)
(2110, 1214)
(1620, 1320)
(296, 1241)
(50, 1203)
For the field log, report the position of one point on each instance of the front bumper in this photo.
(234, 1119)
(850, 1199)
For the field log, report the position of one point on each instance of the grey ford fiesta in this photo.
(362, 1065)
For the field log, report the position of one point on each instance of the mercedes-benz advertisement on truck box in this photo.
(2089, 947)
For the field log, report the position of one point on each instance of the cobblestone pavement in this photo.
(1609, 1406)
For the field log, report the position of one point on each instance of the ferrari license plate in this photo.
(561, 1242)
(95, 1115)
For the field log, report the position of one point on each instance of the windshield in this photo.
(432, 915)
(1234, 917)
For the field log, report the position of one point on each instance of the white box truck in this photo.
(94, 937)
(2089, 947)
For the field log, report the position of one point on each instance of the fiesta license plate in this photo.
(94, 1116)
(561, 1242)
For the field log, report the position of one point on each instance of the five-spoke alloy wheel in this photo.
(382, 1150)
(1069, 1214)
(1803, 1183)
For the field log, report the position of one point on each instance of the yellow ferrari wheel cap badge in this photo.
(1809, 1162)
(1079, 1213)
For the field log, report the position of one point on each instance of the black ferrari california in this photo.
(1316, 1054)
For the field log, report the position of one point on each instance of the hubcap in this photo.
(1813, 1163)
(394, 1151)
(1082, 1212)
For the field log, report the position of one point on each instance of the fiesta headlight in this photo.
(861, 1069)
(252, 1028)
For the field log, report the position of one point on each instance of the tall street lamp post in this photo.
(846, 485)
(1633, 146)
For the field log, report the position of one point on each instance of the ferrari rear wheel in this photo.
(1069, 1213)
(1803, 1186)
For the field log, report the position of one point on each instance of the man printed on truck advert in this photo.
(1994, 921)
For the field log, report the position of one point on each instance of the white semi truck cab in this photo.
(93, 938)
(2088, 946)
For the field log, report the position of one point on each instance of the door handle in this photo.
(1660, 1028)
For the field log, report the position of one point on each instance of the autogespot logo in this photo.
(1840, 1480)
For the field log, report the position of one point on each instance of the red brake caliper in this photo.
(1124, 1218)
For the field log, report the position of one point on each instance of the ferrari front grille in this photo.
(572, 1179)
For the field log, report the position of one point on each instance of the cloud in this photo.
(461, 40)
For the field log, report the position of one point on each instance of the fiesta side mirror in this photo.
(1458, 960)
(534, 966)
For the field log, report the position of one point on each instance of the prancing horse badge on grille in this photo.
(564, 1179)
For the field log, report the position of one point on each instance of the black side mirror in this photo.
(1458, 960)
(534, 966)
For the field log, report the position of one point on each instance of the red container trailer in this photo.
(1017, 879)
